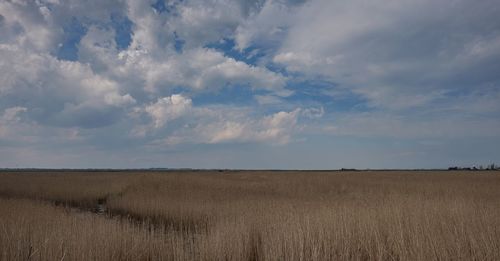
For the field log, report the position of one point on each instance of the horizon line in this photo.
(241, 169)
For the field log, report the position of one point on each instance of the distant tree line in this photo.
(480, 167)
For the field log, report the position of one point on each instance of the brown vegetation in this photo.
(250, 216)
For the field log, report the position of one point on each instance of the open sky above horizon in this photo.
(285, 84)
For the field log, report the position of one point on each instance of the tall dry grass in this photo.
(263, 215)
(33, 230)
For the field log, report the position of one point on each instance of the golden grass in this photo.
(260, 215)
(38, 231)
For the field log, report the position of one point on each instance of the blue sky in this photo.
(288, 84)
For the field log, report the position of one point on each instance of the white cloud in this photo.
(268, 99)
(202, 22)
(47, 83)
(102, 85)
(28, 25)
(229, 131)
(217, 70)
(98, 49)
(199, 69)
(219, 127)
(314, 113)
(168, 108)
(276, 128)
(11, 114)
(150, 30)
(266, 26)
(397, 54)
(195, 22)
(11, 125)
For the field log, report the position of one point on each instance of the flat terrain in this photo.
(250, 215)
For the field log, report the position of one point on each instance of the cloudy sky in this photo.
(249, 84)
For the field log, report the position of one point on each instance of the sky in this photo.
(276, 84)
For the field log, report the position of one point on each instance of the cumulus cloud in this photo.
(214, 128)
(28, 25)
(57, 89)
(199, 69)
(217, 70)
(98, 88)
(150, 30)
(267, 26)
(168, 108)
(276, 128)
(202, 22)
(175, 120)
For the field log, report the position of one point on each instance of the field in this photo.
(250, 215)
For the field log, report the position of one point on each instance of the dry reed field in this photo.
(250, 215)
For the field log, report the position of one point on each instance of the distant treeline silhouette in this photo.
(480, 167)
